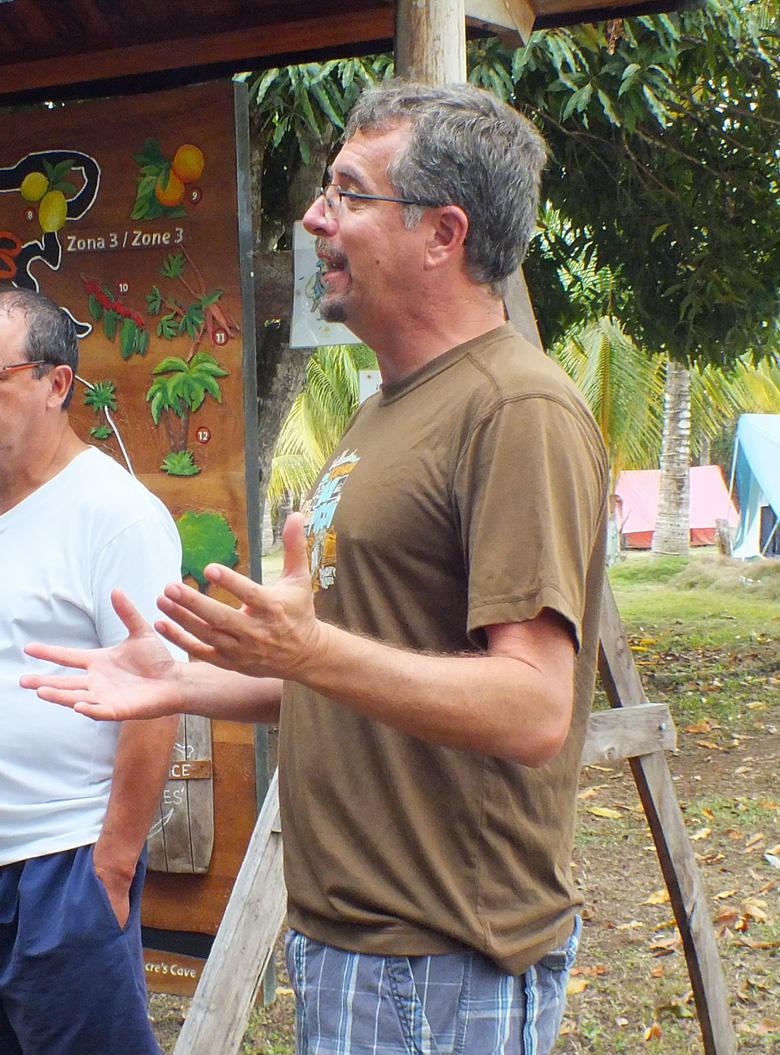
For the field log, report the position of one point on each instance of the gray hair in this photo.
(51, 333)
(466, 148)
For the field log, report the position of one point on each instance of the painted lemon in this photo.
(53, 211)
(34, 186)
(170, 193)
(188, 163)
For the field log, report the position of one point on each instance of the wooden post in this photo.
(243, 946)
(622, 685)
(430, 40)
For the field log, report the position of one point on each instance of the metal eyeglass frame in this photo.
(334, 207)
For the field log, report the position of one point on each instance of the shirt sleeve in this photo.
(140, 560)
(530, 493)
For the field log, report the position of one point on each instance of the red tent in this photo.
(638, 506)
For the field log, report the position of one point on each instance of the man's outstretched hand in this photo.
(274, 633)
(137, 678)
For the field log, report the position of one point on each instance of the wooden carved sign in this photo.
(182, 837)
(132, 214)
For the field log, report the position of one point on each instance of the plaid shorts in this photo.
(351, 1003)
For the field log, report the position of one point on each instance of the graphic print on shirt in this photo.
(318, 513)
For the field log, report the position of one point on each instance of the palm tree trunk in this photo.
(672, 529)
(177, 428)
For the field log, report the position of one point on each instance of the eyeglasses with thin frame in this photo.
(13, 367)
(333, 195)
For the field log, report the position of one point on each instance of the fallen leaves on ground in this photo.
(605, 811)
(659, 897)
(665, 946)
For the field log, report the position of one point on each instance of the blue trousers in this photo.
(71, 979)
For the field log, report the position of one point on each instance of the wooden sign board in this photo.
(133, 215)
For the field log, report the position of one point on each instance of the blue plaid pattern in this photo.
(350, 1003)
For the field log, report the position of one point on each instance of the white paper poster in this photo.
(308, 329)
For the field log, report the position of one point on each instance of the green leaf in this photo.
(146, 185)
(154, 301)
(173, 265)
(127, 338)
(606, 105)
(261, 86)
(205, 363)
(326, 105)
(168, 327)
(95, 307)
(171, 363)
(153, 209)
(211, 298)
(110, 319)
(158, 402)
(152, 149)
(60, 170)
(141, 208)
(180, 463)
(65, 186)
(192, 320)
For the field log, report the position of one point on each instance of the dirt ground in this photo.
(630, 991)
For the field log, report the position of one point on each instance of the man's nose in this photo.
(317, 219)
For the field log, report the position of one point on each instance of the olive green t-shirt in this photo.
(470, 493)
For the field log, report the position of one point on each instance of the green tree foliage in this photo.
(317, 419)
(624, 384)
(299, 114)
(664, 159)
(206, 538)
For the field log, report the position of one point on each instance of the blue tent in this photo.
(756, 471)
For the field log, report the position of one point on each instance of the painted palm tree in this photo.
(101, 396)
(179, 389)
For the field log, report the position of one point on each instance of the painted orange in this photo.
(170, 193)
(188, 163)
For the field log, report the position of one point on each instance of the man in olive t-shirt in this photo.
(435, 627)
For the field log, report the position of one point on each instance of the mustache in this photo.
(331, 255)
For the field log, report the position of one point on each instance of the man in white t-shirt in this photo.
(76, 797)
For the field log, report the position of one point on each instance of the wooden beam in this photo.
(430, 41)
(519, 309)
(235, 46)
(654, 783)
(244, 944)
(616, 735)
(516, 15)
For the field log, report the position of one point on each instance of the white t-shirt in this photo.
(92, 528)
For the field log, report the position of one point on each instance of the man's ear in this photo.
(60, 380)
(449, 227)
